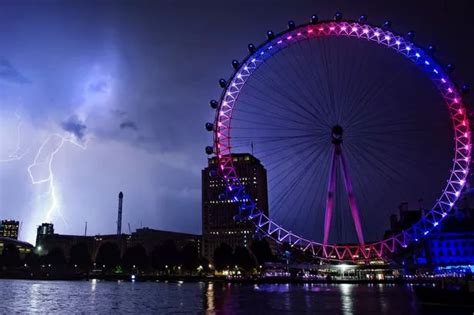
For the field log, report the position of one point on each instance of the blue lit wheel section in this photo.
(284, 100)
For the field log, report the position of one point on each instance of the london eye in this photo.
(349, 119)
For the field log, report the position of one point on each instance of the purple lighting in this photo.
(396, 43)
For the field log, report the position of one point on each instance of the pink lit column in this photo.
(352, 200)
(330, 197)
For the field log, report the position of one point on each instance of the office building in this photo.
(218, 210)
(9, 229)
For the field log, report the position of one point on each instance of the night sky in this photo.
(117, 93)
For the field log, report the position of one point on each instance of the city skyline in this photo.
(254, 156)
(106, 97)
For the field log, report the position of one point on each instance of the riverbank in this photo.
(178, 278)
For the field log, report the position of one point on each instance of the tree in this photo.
(261, 250)
(243, 259)
(223, 257)
(108, 256)
(164, 255)
(135, 256)
(189, 257)
(79, 256)
(33, 261)
(10, 256)
(56, 258)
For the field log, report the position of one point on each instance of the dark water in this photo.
(63, 297)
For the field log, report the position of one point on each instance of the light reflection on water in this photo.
(60, 297)
(346, 298)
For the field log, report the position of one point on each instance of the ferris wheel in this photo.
(348, 118)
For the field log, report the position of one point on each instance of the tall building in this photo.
(218, 222)
(9, 228)
(43, 231)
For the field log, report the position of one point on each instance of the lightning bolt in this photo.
(15, 155)
(57, 141)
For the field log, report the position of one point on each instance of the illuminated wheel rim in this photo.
(363, 31)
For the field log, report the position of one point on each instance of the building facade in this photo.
(451, 244)
(47, 240)
(218, 210)
(24, 248)
(151, 238)
(9, 229)
(44, 231)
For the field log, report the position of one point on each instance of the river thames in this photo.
(61, 297)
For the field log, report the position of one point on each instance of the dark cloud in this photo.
(98, 87)
(9, 73)
(128, 124)
(118, 112)
(75, 126)
(158, 62)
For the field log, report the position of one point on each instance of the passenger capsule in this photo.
(466, 88)
(291, 25)
(222, 83)
(209, 150)
(270, 35)
(387, 24)
(235, 64)
(314, 19)
(251, 48)
(338, 16)
(213, 104)
(209, 126)
(450, 68)
(363, 18)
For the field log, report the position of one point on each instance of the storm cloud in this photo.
(149, 67)
(75, 126)
(128, 124)
(10, 74)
